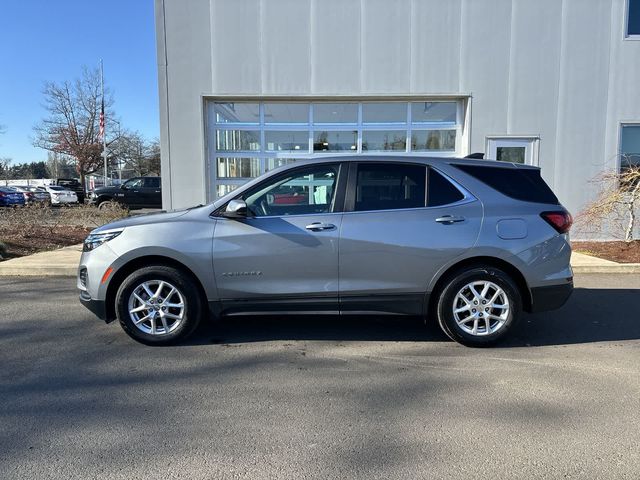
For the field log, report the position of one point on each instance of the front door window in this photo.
(303, 192)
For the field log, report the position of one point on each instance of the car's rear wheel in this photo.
(478, 307)
(159, 305)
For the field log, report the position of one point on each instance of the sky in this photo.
(50, 40)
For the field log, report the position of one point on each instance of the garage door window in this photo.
(246, 139)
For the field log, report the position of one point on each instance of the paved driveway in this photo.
(319, 398)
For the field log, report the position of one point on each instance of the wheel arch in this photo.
(104, 198)
(145, 261)
(470, 262)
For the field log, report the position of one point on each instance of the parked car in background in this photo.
(139, 192)
(60, 195)
(33, 195)
(29, 198)
(468, 243)
(72, 184)
(10, 197)
(40, 193)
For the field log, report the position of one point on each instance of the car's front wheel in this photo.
(159, 305)
(106, 205)
(479, 306)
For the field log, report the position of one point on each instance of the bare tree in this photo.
(60, 166)
(136, 154)
(618, 201)
(72, 124)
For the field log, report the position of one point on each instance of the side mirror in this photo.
(123, 187)
(236, 209)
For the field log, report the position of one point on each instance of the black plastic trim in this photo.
(550, 297)
(400, 304)
(394, 304)
(97, 307)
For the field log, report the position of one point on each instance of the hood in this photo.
(146, 219)
(106, 189)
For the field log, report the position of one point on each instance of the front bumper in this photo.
(97, 307)
(550, 297)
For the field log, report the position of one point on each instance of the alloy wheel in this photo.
(481, 308)
(156, 307)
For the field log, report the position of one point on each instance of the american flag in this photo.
(101, 134)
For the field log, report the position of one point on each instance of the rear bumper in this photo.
(550, 297)
(97, 307)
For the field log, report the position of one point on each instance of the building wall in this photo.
(558, 69)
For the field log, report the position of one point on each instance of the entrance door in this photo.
(284, 256)
(513, 149)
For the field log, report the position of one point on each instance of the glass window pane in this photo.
(633, 18)
(511, 154)
(286, 113)
(222, 190)
(238, 167)
(390, 186)
(237, 112)
(335, 113)
(433, 140)
(384, 140)
(630, 145)
(237, 140)
(345, 141)
(441, 191)
(152, 182)
(301, 193)
(272, 163)
(287, 141)
(423, 112)
(384, 112)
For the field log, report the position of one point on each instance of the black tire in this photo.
(454, 284)
(187, 288)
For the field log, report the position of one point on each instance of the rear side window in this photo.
(152, 182)
(390, 186)
(441, 191)
(519, 183)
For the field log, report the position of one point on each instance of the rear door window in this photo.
(390, 186)
(152, 182)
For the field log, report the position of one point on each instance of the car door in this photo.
(151, 193)
(396, 234)
(132, 193)
(284, 256)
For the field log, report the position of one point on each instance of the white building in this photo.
(246, 85)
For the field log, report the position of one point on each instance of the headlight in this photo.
(94, 240)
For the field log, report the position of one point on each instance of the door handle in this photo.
(450, 219)
(317, 226)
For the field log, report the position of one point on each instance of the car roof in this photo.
(407, 159)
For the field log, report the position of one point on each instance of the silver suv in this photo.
(468, 243)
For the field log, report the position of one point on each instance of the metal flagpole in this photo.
(104, 124)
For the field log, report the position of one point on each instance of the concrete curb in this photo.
(49, 271)
(61, 262)
(617, 268)
(64, 262)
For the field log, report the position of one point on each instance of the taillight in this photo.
(2, 194)
(560, 221)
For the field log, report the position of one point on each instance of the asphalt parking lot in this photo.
(311, 397)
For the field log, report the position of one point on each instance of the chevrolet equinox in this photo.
(468, 243)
